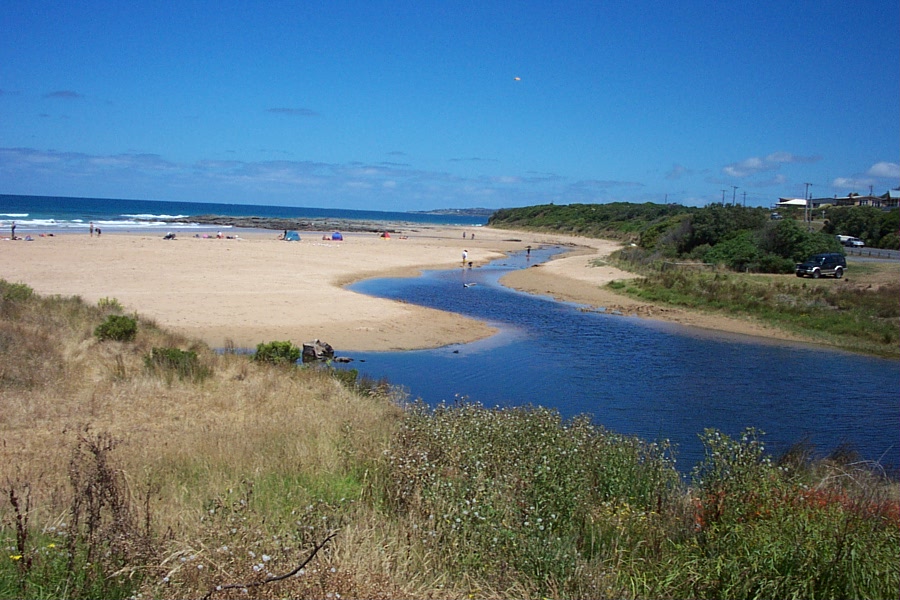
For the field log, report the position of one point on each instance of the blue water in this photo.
(639, 377)
(38, 214)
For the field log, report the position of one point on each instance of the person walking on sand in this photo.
(91, 228)
(465, 256)
(12, 229)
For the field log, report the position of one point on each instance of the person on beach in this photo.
(465, 256)
(13, 229)
(91, 228)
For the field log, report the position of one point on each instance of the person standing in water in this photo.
(465, 256)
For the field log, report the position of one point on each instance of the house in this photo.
(801, 203)
(890, 199)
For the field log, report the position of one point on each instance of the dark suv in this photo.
(831, 263)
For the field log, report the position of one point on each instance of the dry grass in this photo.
(295, 437)
(239, 474)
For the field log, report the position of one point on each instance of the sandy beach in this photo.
(258, 289)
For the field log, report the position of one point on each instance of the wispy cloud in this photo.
(851, 184)
(293, 112)
(64, 95)
(473, 159)
(677, 172)
(355, 184)
(754, 164)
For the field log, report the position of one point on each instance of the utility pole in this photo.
(733, 193)
(745, 199)
(723, 197)
(806, 213)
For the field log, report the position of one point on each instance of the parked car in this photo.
(829, 263)
(850, 241)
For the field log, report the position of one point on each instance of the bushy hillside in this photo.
(743, 239)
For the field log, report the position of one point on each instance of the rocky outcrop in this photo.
(317, 350)
(291, 224)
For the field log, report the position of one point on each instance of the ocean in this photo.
(51, 214)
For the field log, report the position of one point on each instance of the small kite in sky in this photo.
(517, 79)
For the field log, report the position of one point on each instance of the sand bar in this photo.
(259, 289)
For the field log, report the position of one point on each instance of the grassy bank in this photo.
(151, 466)
(860, 313)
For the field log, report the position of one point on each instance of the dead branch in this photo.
(274, 578)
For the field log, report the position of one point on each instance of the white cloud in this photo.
(885, 169)
(747, 167)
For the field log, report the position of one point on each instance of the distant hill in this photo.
(616, 220)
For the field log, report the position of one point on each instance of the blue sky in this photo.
(424, 105)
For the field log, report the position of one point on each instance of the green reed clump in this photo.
(110, 304)
(515, 494)
(174, 362)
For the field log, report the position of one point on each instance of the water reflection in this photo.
(634, 376)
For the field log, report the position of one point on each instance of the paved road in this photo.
(873, 253)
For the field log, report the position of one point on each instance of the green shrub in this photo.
(15, 292)
(118, 328)
(738, 252)
(277, 353)
(182, 363)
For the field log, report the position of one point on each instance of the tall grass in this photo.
(122, 474)
(517, 495)
(854, 317)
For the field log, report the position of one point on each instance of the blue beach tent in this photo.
(292, 236)
(337, 236)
